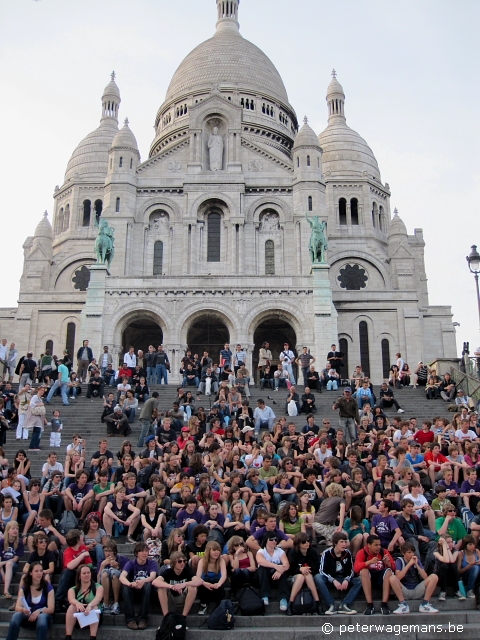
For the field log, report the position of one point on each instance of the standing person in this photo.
(348, 414)
(27, 371)
(161, 362)
(304, 360)
(264, 357)
(136, 578)
(335, 358)
(239, 358)
(104, 360)
(35, 418)
(84, 358)
(225, 356)
(11, 363)
(24, 395)
(38, 595)
(150, 364)
(130, 359)
(3, 359)
(61, 382)
(287, 358)
(147, 416)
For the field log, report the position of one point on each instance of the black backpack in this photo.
(173, 627)
(304, 603)
(250, 602)
(222, 617)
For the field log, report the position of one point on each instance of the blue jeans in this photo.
(147, 429)
(130, 413)
(332, 385)
(350, 429)
(471, 577)
(161, 373)
(324, 592)
(190, 383)
(36, 437)
(289, 369)
(186, 408)
(151, 375)
(279, 497)
(63, 390)
(42, 625)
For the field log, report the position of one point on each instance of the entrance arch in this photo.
(139, 333)
(277, 332)
(208, 332)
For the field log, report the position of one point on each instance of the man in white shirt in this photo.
(465, 433)
(130, 359)
(263, 416)
(287, 358)
(104, 360)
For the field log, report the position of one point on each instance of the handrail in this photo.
(470, 384)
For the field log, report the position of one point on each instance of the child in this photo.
(416, 584)
(109, 574)
(196, 549)
(440, 501)
(56, 435)
(75, 554)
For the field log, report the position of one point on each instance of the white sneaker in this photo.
(115, 609)
(203, 609)
(442, 596)
(460, 595)
(400, 411)
(470, 593)
(427, 608)
(402, 608)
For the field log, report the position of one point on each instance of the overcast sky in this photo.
(409, 69)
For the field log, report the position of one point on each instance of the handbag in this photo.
(39, 410)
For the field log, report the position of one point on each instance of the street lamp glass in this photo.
(474, 260)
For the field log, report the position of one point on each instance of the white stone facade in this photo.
(234, 239)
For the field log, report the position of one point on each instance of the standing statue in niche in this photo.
(318, 239)
(215, 148)
(104, 242)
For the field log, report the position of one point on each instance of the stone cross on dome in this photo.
(395, 212)
(334, 73)
(45, 214)
(305, 120)
(113, 75)
(126, 122)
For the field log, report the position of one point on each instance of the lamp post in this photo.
(474, 265)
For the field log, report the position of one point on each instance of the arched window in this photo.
(158, 258)
(342, 211)
(381, 219)
(117, 205)
(310, 203)
(364, 350)
(131, 163)
(343, 347)
(66, 218)
(49, 346)
(354, 210)
(298, 161)
(70, 341)
(87, 207)
(374, 215)
(213, 237)
(308, 161)
(98, 208)
(385, 358)
(120, 164)
(269, 258)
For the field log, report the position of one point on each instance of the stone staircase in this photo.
(83, 416)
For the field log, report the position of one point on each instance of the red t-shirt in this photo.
(424, 436)
(70, 554)
(438, 459)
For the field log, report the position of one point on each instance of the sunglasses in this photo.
(181, 561)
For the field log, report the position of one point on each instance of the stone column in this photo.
(325, 314)
(241, 249)
(92, 314)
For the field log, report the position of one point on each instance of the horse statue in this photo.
(104, 242)
(318, 240)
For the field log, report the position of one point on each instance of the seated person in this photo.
(307, 402)
(281, 377)
(41, 553)
(415, 583)
(142, 391)
(292, 395)
(177, 585)
(109, 571)
(364, 395)
(117, 423)
(387, 400)
(385, 526)
(209, 382)
(109, 375)
(46, 526)
(38, 595)
(79, 495)
(190, 376)
(137, 578)
(75, 555)
(85, 596)
(357, 377)
(96, 385)
(313, 379)
(273, 569)
(119, 509)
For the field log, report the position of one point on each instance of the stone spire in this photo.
(335, 98)
(228, 15)
(111, 99)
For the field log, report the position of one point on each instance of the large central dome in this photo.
(229, 59)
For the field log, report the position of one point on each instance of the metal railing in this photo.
(469, 378)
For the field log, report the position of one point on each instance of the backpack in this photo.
(250, 602)
(173, 627)
(222, 617)
(304, 603)
(68, 522)
(467, 516)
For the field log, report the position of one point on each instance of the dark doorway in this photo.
(70, 340)
(276, 332)
(208, 333)
(140, 334)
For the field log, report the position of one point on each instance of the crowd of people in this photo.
(237, 494)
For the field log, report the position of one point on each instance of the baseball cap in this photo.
(349, 389)
(246, 429)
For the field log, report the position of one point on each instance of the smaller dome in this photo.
(112, 90)
(306, 137)
(125, 139)
(397, 226)
(90, 158)
(44, 228)
(334, 88)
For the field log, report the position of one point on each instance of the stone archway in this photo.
(208, 332)
(276, 331)
(139, 333)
